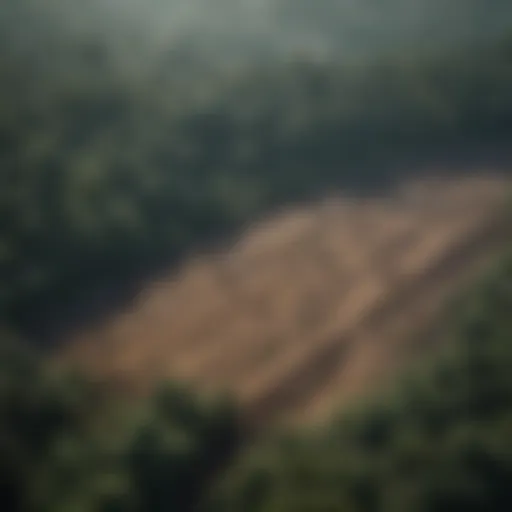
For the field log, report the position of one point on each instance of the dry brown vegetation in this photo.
(309, 308)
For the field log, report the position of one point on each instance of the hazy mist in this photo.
(263, 28)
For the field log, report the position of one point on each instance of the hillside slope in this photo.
(437, 439)
(308, 305)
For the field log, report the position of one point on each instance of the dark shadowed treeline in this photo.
(66, 445)
(103, 176)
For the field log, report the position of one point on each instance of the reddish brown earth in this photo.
(309, 309)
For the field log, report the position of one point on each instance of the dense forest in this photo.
(67, 444)
(107, 172)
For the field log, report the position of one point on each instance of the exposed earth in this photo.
(308, 309)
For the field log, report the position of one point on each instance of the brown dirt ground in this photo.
(308, 309)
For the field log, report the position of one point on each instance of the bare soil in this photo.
(308, 309)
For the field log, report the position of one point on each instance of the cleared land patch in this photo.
(309, 308)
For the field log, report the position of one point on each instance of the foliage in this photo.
(64, 447)
(104, 176)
